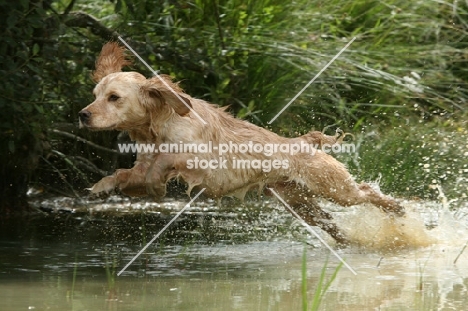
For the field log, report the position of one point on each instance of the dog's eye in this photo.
(113, 98)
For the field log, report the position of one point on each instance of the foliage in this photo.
(256, 55)
(21, 97)
(415, 159)
(45, 83)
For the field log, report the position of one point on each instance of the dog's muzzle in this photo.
(84, 116)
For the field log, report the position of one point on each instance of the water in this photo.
(229, 258)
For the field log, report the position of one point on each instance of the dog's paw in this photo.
(156, 191)
(105, 185)
(394, 210)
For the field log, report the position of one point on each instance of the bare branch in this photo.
(90, 143)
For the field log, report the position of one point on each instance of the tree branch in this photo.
(83, 20)
(78, 138)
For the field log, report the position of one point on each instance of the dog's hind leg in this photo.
(328, 178)
(306, 207)
(385, 203)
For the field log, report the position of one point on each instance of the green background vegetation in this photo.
(401, 87)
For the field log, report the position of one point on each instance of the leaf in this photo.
(36, 49)
(224, 83)
(40, 109)
(34, 68)
(11, 20)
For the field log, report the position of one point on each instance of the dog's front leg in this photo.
(168, 166)
(128, 181)
(158, 175)
(108, 183)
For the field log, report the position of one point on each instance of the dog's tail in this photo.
(320, 138)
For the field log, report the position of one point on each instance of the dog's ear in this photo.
(180, 102)
(169, 93)
(111, 59)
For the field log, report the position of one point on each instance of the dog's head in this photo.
(127, 100)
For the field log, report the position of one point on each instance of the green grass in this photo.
(110, 268)
(322, 285)
(413, 158)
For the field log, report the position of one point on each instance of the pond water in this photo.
(228, 258)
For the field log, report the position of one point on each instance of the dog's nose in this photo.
(84, 115)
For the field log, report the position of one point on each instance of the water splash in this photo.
(425, 223)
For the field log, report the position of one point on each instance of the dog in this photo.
(157, 111)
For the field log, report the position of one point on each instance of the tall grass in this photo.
(322, 285)
(256, 55)
(406, 63)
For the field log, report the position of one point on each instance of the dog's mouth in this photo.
(92, 127)
(82, 124)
